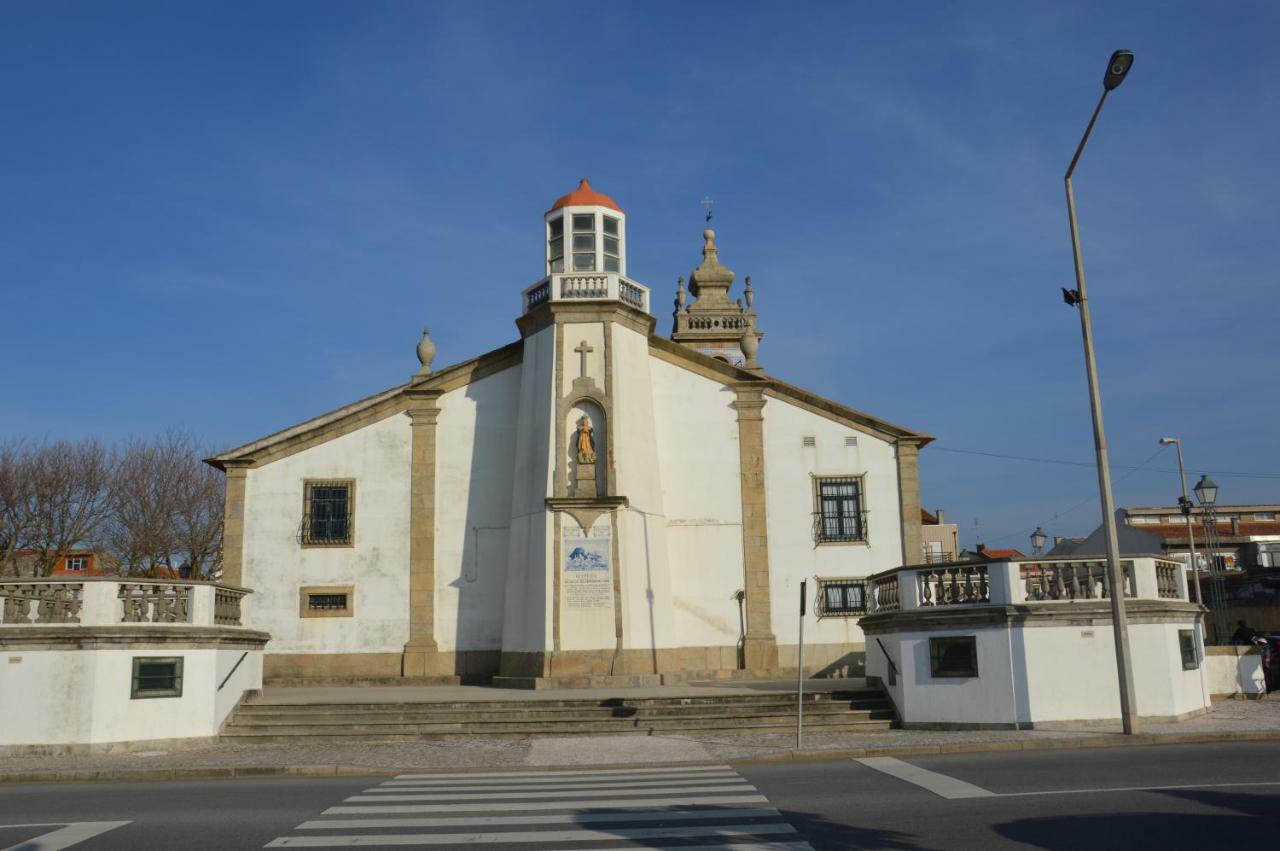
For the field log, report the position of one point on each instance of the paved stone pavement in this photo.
(1247, 717)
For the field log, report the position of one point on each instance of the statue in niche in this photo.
(586, 443)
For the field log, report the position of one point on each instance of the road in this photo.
(1169, 797)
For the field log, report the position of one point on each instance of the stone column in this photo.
(909, 502)
(760, 646)
(421, 654)
(233, 522)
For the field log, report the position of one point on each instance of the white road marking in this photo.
(548, 782)
(68, 834)
(1134, 789)
(582, 772)
(939, 784)
(559, 787)
(581, 793)
(505, 837)
(559, 818)
(516, 806)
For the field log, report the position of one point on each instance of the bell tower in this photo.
(713, 324)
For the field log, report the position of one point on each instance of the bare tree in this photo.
(70, 497)
(15, 504)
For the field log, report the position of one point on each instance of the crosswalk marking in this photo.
(509, 806)
(565, 784)
(601, 772)
(488, 796)
(696, 808)
(559, 818)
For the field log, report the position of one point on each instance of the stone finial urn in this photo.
(750, 346)
(426, 352)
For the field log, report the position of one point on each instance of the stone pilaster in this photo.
(760, 646)
(421, 653)
(909, 502)
(233, 523)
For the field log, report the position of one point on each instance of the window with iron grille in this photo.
(328, 508)
(841, 597)
(327, 601)
(839, 510)
(156, 677)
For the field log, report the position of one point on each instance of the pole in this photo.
(800, 674)
(1124, 672)
(1186, 512)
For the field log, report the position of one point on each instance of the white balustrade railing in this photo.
(107, 601)
(585, 286)
(1029, 581)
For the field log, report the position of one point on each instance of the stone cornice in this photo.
(130, 636)
(564, 312)
(1086, 613)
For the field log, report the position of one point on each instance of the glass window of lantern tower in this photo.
(555, 245)
(584, 242)
(612, 251)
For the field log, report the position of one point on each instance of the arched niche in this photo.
(586, 475)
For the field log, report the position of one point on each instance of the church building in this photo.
(592, 503)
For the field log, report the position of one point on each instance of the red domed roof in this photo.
(585, 196)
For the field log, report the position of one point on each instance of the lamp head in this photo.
(1038, 539)
(1206, 491)
(1168, 441)
(1117, 67)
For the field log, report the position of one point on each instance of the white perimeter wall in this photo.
(788, 472)
(1039, 675)
(276, 565)
(67, 697)
(697, 439)
(475, 455)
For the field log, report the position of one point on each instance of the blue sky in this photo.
(229, 217)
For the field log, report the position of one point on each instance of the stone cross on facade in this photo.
(583, 349)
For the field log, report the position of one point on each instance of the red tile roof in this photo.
(928, 519)
(997, 555)
(1178, 531)
(585, 196)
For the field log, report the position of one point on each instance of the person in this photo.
(1243, 634)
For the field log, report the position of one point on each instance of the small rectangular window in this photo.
(841, 597)
(1187, 646)
(326, 601)
(156, 677)
(555, 228)
(328, 508)
(77, 563)
(1264, 515)
(584, 223)
(610, 226)
(584, 242)
(839, 510)
(584, 262)
(953, 657)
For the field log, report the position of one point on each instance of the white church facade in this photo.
(591, 503)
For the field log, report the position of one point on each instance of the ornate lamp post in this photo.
(1207, 493)
(1038, 538)
(1117, 67)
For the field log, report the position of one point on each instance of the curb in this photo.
(144, 775)
(1137, 741)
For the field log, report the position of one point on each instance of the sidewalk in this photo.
(1232, 720)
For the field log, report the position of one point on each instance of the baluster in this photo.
(1075, 581)
(984, 587)
(926, 588)
(1106, 582)
(1060, 585)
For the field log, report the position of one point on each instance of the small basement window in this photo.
(156, 677)
(1187, 646)
(953, 656)
(337, 601)
(841, 597)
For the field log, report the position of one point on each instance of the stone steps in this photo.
(266, 720)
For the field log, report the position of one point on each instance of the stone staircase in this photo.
(268, 720)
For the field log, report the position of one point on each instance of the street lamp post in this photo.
(1117, 68)
(1184, 502)
(1207, 494)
